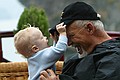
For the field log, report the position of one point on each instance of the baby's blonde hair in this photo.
(25, 39)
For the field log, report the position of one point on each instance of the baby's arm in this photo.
(53, 53)
(61, 45)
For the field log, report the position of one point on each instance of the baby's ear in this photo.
(35, 49)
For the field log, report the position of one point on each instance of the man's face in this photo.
(76, 34)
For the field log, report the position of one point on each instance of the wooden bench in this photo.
(19, 70)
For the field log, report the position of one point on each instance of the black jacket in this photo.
(102, 64)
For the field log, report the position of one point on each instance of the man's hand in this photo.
(48, 75)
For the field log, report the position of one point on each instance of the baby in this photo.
(31, 43)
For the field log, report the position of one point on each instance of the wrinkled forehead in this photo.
(70, 28)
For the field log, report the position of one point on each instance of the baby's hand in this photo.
(61, 28)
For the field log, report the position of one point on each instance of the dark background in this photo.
(108, 9)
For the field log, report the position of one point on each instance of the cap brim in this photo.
(53, 29)
(67, 22)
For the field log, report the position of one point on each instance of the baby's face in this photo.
(39, 40)
(42, 42)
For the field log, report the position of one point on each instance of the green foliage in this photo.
(36, 17)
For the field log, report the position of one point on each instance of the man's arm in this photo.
(108, 68)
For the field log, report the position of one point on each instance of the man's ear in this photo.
(90, 28)
(34, 48)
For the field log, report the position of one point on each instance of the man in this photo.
(101, 61)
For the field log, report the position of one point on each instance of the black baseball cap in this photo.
(77, 11)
